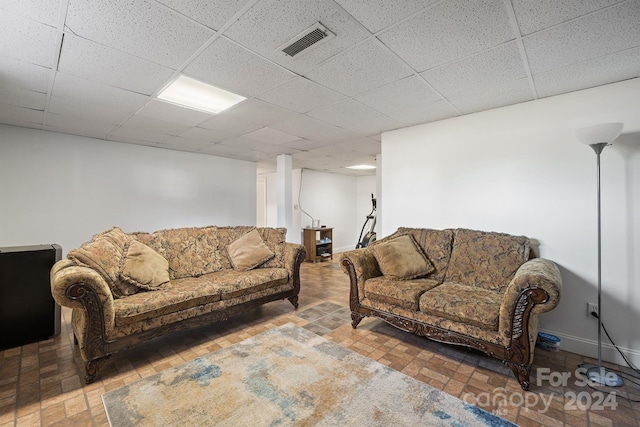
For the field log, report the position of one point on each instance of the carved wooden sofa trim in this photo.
(533, 288)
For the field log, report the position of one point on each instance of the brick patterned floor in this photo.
(41, 383)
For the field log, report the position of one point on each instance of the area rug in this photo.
(287, 376)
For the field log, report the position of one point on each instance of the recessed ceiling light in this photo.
(361, 167)
(191, 93)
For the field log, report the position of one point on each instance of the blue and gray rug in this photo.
(287, 376)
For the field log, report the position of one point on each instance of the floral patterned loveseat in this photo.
(479, 289)
(128, 288)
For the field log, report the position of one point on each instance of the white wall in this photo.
(521, 170)
(331, 198)
(58, 188)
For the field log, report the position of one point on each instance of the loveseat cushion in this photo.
(462, 303)
(401, 258)
(486, 259)
(401, 293)
(248, 251)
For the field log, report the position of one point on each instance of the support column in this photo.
(285, 198)
(378, 229)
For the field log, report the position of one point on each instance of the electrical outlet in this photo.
(591, 307)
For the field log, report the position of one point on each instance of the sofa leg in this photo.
(91, 368)
(355, 319)
(522, 373)
(294, 300)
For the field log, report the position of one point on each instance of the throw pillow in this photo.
(248, 251)
(143, 267)
(401, 258)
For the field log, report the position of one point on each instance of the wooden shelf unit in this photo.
(319, 243)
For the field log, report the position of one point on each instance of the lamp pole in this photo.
(598, 374)
(598, 149)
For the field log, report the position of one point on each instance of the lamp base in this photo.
(600, 375)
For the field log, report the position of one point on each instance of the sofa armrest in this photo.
(536, 288)
(294, 255)
(83, 288)
(535, 273)
(360, 265)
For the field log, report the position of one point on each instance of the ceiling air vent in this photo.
(306, 39)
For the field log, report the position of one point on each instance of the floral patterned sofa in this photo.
(129, 288)
(479, 289)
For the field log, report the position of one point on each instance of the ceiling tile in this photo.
(337, 151)
(418, 114)
(22, 98)
(306, 144)
(229, 66)
(449, 31)
(27, 40)
(259, 146)
(134, 135)
(547, 13)
(260, 112)
(184, 144)
(86, 110)
(231, 152)
(23, 75)
(154, 125)
(79, 126)
(271, 23)
(595, 35)
(372, 125)
(225, 127)
(92, 61)
(354, 116)
(312, 155)
(400, 95)
(213, 14)
(486, 69)
(363, 68)
(512, 92)
(603, 70)
(68, 86)
(168, 112)
(141, 28)
(202, 134)
(271, 136)
(43, 11)
(12, 114)
(301, 95)
(363, 145)
(379, 14)
(310, 128)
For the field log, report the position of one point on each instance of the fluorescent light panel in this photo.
(361, 167)
(194, 94)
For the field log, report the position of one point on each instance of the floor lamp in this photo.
(598, 137)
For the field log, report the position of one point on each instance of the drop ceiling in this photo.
(93, 68)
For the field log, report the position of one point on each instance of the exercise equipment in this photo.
(370, 236)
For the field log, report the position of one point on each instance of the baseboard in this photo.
(589, 348)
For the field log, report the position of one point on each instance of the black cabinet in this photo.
(28, 312)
